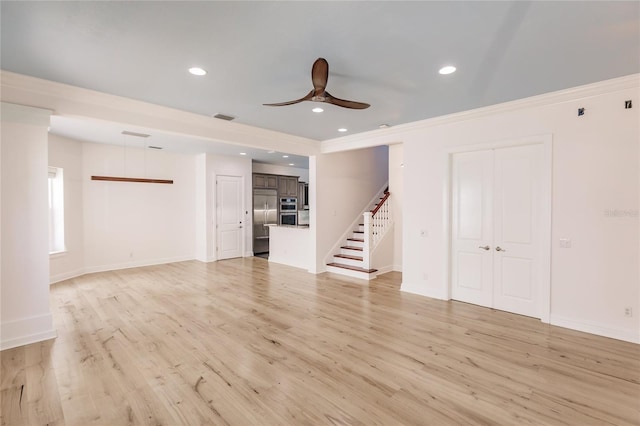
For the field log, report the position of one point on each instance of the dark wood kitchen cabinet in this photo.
(265, 181)
(288, 186)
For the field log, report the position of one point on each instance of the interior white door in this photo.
(495, 230)
(517, 179)
(229, 217)
(472, 227)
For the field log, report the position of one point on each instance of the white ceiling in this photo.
(383, 53)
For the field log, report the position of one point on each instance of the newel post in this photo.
(368, 236)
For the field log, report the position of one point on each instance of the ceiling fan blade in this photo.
(320, 75)
(344, 103)
(306, 98)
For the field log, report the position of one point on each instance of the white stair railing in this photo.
(376, 223)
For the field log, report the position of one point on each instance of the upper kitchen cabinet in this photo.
(288, 186)
(265, 181)
(302, 195)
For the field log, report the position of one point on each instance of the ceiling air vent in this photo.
(224, 117)
(139, 135)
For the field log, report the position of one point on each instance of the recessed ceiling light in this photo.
(317, 109)
(285, 156)
(271, 152)
(384, 126)
(243, 153)
(291, 164)
(342, 129)
(197, 71)
(447, 70)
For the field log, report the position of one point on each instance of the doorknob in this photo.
(500, 249)
(485, 247)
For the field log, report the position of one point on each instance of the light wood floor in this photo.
(245, 342)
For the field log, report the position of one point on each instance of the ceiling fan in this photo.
(319, 76)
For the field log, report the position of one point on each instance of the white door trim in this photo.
(215, 213)
(546, 140)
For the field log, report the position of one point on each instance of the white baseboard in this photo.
(287, 261)
(65, 276)
(397, 268)
(384, 269)
(114, 267)
(317, 271)
(423, 291)
(25, 331)
(207, 260)
(136, 264)
(592, 327)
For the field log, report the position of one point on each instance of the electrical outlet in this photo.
(628, 311)
(425, 276)
(565, 243)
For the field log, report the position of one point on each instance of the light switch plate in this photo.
(565, 243)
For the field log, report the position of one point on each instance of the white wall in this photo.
(25, 316)
(67, 153)
(129, 224)
(396, 188)
(595, 171)
(204, 211)
(289, 246)
(344, 184)
(114, 225)
(274, 169)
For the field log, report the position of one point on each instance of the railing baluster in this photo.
(375, 225)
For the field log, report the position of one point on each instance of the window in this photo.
(56, 210)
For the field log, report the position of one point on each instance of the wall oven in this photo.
(288, 211)
(289, 218)
(288, 205)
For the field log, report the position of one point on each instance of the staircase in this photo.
(350, 260)
(353, 258)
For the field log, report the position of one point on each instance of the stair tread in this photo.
(358, 232)
(346, 256)
(352, 248)
(355, 239)
(353, 268)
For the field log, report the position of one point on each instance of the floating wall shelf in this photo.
(125, 179)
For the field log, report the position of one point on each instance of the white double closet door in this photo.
(495, 259)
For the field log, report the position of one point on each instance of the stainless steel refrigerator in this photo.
(265, 212)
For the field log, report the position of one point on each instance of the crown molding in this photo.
(397, 134)
(72, 101)
(24, 114)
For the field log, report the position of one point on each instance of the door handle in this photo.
(500, 249)
(485, 247)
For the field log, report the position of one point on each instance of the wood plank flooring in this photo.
(245, 342)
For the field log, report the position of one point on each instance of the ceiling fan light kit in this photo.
(319, 77)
